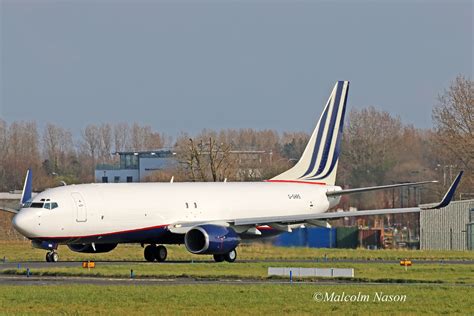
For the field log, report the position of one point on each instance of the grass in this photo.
(22, 251)
(452, 293)
(229, 299)
(374, 272)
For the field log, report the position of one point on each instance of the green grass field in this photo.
(230, 299)
(449, 288)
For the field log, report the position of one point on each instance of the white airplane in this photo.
(208, 218)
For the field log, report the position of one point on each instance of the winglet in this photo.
(449, 195)
(27, 187)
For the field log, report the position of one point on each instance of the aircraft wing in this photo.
(285, 222)
(325, 216)
(382, 187)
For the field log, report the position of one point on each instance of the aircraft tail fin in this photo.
(321, 155)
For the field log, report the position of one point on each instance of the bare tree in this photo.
(205, 159)
(3, 152)
(91, 141)
(453, 119)
(57, 147)
(105, 144)
(121, 137)
(23, 152)
(369, 147)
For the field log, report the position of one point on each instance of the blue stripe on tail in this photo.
(327, 146)
(337, 150)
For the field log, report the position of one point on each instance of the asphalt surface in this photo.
(23, 280)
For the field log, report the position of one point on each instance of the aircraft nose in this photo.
(23, 222)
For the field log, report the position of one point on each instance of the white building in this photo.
(135, 166)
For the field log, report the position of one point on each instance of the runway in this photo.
(22, 280)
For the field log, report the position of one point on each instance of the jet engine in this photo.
(211, 239)
(88, 248)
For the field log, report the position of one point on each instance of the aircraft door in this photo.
(81, 209)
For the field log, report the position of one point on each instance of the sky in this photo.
(182, 66)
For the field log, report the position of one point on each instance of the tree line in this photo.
(377, 148)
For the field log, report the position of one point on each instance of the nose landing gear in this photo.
(52, 256)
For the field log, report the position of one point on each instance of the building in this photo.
(449, 228)
(135, 166)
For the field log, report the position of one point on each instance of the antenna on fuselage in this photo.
(172, 179)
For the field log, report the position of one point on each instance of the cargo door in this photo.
(81, 209)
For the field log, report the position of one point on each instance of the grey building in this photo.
(449, 228)
(135, 166)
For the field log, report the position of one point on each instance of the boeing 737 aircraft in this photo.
(208, 218)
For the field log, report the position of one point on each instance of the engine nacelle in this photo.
(87, 248)
(211, 239)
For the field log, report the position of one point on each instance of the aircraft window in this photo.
(37, 205)
(195, 205)
(27, 204)
(47, 206)
(54, 205)
(187, 205)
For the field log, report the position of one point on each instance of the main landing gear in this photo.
(52, 256)
(155, 253)
(229, 257)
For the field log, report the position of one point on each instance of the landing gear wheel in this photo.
(160, 253)
(218, 258)
(52, 256)
(230, 256)
(149, 253)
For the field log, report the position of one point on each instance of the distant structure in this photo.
(135, 166)
(449, 228)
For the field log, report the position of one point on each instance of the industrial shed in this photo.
(449, 228)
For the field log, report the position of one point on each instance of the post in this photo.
(450, 239)
(27, 272)
(291, 276)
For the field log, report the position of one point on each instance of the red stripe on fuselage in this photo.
(295, 181)
(264, 227)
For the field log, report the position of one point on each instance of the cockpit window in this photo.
(46, 205)
(50, 206)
